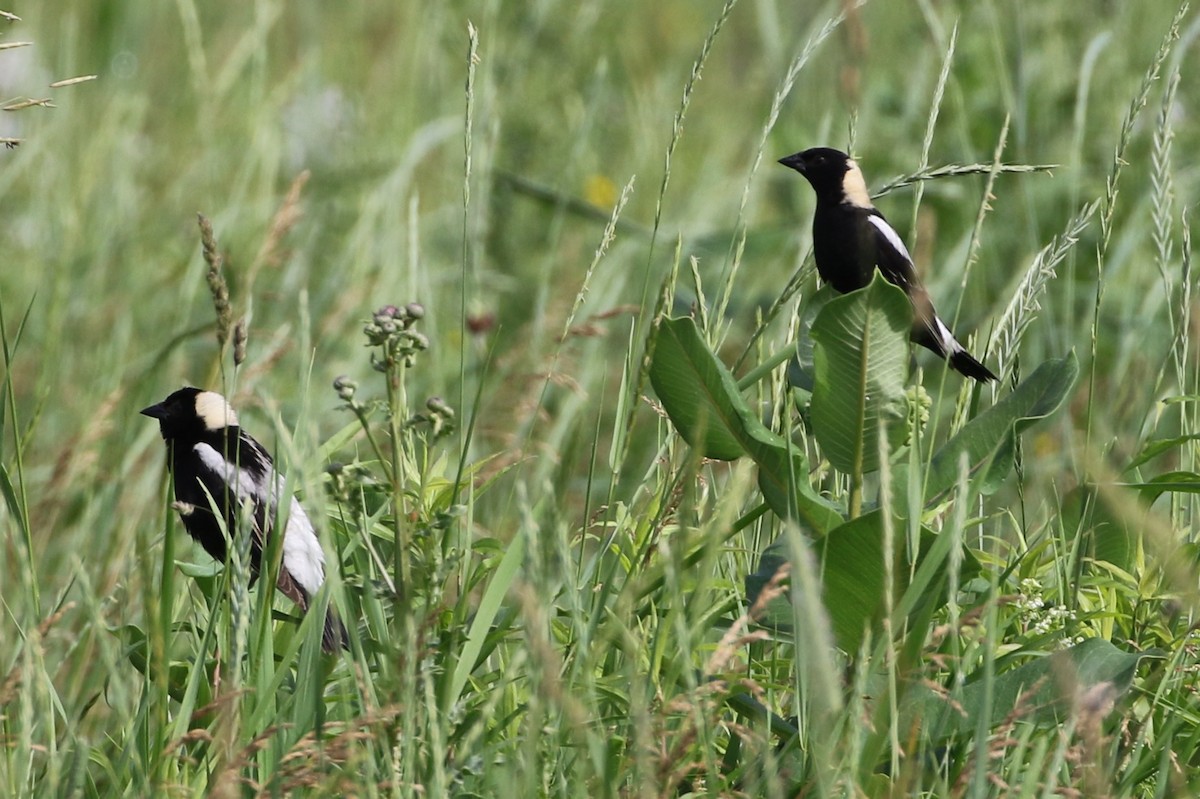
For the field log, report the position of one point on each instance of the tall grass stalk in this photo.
(733, 258)
(1108, 209)
(638, 381)
(935, 107)
(1026, 300)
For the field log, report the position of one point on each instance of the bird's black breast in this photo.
(844, 246)
(202, 489)
(194, 485)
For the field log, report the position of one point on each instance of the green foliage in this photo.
(996, 429)
(855, 578)
(552, 588)
(701, 396)
(1049, 690)
(707, 408)
(861, 343)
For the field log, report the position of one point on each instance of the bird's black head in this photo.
(824, 167)
(190, 412)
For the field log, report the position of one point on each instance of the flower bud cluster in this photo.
(345, 479)
(391, 329)
(438, 415)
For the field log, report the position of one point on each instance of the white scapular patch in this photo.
(854, 187)
(215, 411)
(889, 233)
(238, 478)
(302, 554)
(948, 341)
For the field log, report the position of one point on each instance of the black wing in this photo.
(223, 473)
(896, 265)
(928, 330)
(892, 256)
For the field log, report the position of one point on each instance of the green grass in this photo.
(547, 589)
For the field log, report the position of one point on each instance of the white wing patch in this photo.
(302, 554)
(242, 481)
(948, 341)
(889, 233)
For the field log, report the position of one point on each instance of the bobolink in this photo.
(218, 465)
(851, 238)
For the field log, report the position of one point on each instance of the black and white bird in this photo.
(851, 238)
(218, 468)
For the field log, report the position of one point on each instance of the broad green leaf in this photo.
(854, 576)
(1089, 675)
(1001, 465)
(1152, 449)
(698, 392)
(204, 575)
(860, 357)
(702, 399)
(802, 371)
(1035, 398)
(1180, 482)
(1111, 537)
(783, 481)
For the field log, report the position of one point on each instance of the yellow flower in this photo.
(598, 190)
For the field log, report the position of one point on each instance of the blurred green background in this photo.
(218, 108)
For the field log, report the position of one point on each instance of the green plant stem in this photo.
(14, 494)
(856, 494)
(361, 413)
(396, 406)
(766, 367)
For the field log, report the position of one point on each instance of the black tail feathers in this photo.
(931, 332)
(334, 635)
(964, 363)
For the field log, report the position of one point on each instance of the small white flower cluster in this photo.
(1029, 601)
(1055, 619)
(1031, 608)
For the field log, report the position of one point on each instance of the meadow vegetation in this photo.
(512, 291)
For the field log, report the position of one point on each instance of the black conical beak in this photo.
(794, 161)
(156, 411)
